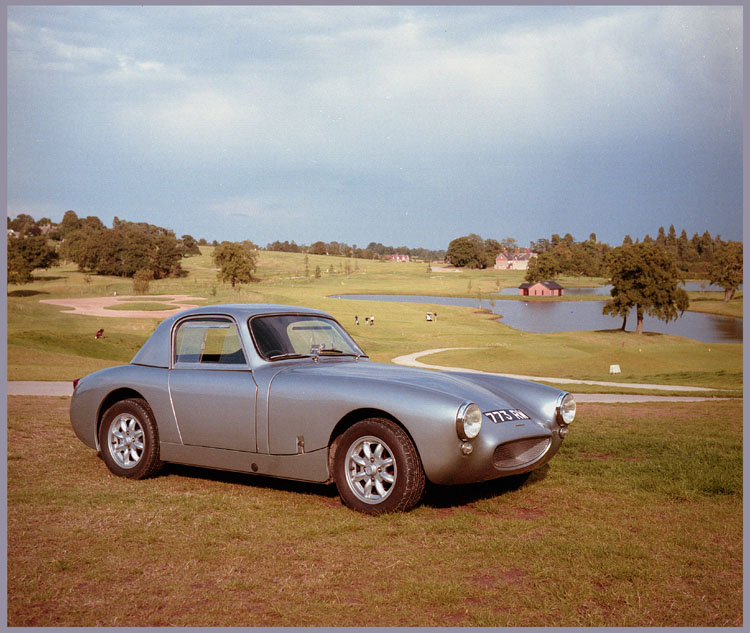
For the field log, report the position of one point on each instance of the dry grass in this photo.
(638, 522)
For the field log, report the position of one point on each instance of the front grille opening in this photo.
(520, 452)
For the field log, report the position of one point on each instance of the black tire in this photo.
(377, 468)
(129, 439)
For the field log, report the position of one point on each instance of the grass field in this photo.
(46, 344)
(636, 522)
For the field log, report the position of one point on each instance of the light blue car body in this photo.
(281, 417)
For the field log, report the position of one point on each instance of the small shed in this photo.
(541, 289)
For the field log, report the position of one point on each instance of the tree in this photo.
(726, 270)
(25, 254)
(124, 249)
(22, 223)
(467, 251)
(491, 250)
(644, 276)
(141, 281)
(69, 223)
(236, 263)
(543, 267)
(318, 248)
(190, 245)
(541, 245)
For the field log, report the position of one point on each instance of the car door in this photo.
(211, 386)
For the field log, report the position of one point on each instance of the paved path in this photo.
(40, 388)
(411, 361)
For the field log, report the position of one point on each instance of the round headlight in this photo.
(468, 421)
(566, 409)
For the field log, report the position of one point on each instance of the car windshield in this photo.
(288, 335)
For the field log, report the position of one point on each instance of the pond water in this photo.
(564, 316)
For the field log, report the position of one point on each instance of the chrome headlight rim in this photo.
(565, 409)
(468, 421)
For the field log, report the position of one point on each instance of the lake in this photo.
(564, 316)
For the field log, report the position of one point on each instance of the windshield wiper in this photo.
(339, 352)
(290, 355)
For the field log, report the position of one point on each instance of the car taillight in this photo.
(75, 383)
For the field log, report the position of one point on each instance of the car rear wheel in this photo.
(129, 439)
(377, 468)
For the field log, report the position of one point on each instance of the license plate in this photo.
(506, 415)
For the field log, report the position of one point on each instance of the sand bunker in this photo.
(97, 306)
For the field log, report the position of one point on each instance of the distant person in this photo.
(434, 314)
(372, 320)
(99, 334)
(356, 319)
(367, 320)
(428, 317)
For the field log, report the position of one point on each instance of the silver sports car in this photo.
(284, 391)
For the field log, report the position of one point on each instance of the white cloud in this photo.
(328, 84)
(34, 50)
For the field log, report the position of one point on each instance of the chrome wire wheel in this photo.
(125, 440)
(370, 469)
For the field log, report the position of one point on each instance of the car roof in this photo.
(246, 310)
(155, 351)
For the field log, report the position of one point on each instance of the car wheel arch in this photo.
(118, 395)
(349, 420)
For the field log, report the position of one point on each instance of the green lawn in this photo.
(47, 344)
(636, 522)
(141, 305)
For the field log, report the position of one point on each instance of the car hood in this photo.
(487, 390)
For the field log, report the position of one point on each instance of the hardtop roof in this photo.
(155, 351)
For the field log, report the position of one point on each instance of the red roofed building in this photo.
(541, 289)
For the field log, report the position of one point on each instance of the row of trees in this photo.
(26, 254)
(148, 251)
(471, 251)
(374, 250)
(564, 256)
(123, 250)
(645, 275)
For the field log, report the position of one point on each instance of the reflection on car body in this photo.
(285, 391)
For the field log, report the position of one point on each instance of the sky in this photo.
(405, 125)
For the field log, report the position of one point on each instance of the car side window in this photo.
(208, 342)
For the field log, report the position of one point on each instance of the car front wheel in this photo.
(129, 439)
(377, 468)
